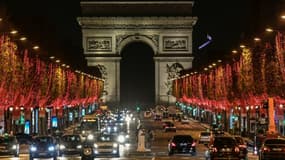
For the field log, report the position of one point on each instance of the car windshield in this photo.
(43, 140)
(6, 139)
(222, 141)
(182, 139)
(105, 138)
(71, 138)
(274, 141)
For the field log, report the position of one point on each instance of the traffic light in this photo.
(138, 108)
(219, 116)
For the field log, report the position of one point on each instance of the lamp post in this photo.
(247, 119)
(255, 128)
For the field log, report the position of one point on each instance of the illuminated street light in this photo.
(282, 16)
(23, 38)
(234, 51)
(256, 39)
(52, 57)
(57, 61)
(36, 47)
(269, 30)
(14, 32)
(242, 46)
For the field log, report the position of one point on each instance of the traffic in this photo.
(153, 134)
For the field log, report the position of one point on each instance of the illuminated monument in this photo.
(165, 26)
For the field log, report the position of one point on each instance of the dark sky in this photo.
(53, 25)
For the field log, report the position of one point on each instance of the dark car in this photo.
(182, 144)
(242, 146)
(70, 144)
(9, 146)
(223, 147)
(169, 127)
(24, 138)
(43, 147)
(272, 148)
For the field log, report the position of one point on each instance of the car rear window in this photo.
(183, 139)
(222, 141)
(205, 133)
(274, 141)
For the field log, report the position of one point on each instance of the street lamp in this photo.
(247, 119)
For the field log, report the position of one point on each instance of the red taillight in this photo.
(236, 149)
(242, 146)
(173, 144)
(265, 149)
(214, 149)
(193, 144)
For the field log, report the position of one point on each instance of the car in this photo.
(157, 117)
(43, 147)
(223, 147)
(182, 144)
(9, 145)
(185, 120)
(169, 127)
(24, 138)
(106, 144)
(242, 146)
(70, 144)
(205, 137)
(272, 148)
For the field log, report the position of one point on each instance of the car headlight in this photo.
(14, 146)
(51, 148)
(79, 146)
(95, 145)
(90, 137)
(33, 148)
(83, 132)
(61, 146)
(121, 139)
(115, 145)
(127, 136)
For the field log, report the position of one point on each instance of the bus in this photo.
(90, 124)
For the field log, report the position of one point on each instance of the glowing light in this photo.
(63, 65)
(67, 66)
(219, 61)
(36, 47)
(282, 16)
(269, 30)
(57, 61)
(14, 32)
(257, 39)
(234, 51)
(23, 38)
(207, 42)
(52, 57)
(214, 64)
(1, 19)
(205, 69)
(242, 46)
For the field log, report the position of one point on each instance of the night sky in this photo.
(52, 24)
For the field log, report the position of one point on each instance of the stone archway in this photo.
(170, 37)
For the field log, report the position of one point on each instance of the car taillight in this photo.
(214, 149)
(265, 149)
(242, 146)
(173, 144)
(236, 149)
(193, 144)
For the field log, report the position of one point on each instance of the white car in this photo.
(185, 120)
(205, 137)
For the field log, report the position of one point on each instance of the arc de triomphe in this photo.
(166, 26)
